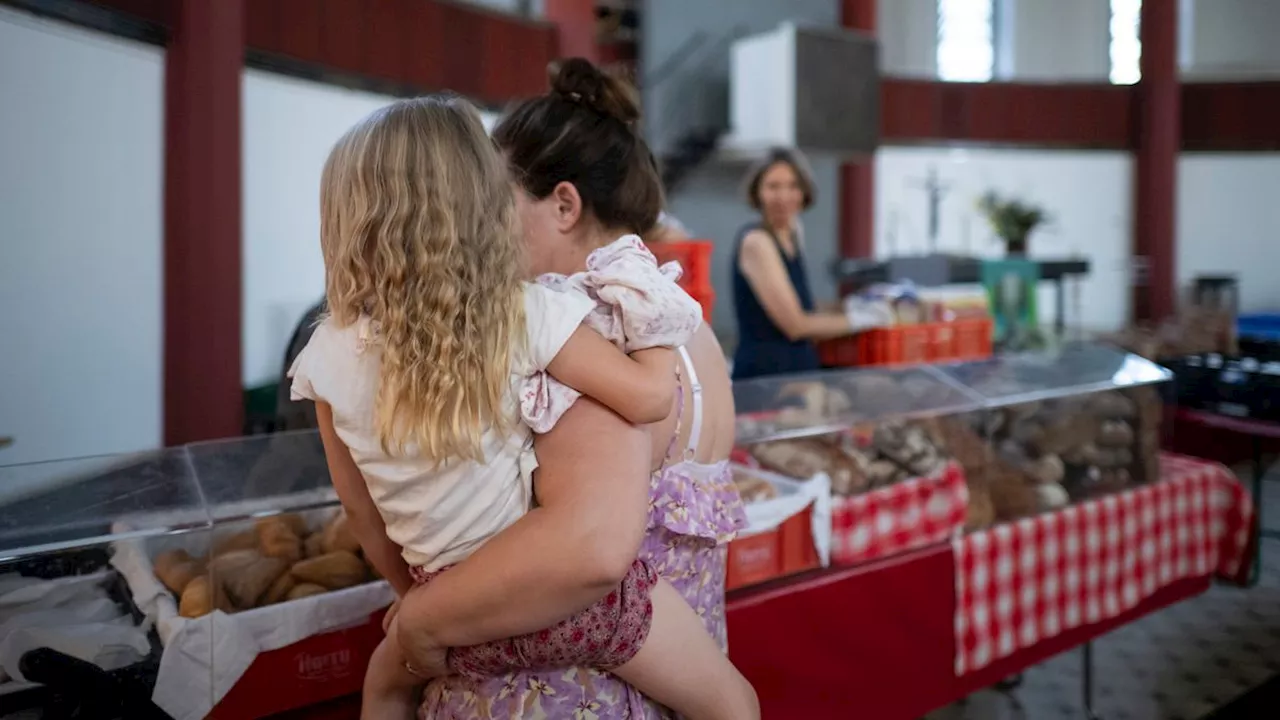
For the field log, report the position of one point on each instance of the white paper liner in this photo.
(204, 657)
(793, 497)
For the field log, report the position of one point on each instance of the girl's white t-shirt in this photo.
(438, 515)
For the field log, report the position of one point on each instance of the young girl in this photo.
(436, 361)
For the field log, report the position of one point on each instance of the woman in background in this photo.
(777, 322)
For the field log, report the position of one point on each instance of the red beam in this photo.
(423, 45)
(575, 21)
(1159, 140)
(857, 179)
(1231, 117)
(202, 356)
(1068, 115)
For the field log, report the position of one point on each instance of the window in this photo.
(1126, 44)
(966, 40)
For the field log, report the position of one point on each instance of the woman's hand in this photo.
(426, 658)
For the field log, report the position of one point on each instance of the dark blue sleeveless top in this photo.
(762, 348)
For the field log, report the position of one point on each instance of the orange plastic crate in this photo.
(706, 297)
(911, 344)
(786, 550)
(694, 257)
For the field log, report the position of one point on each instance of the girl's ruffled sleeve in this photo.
(641, 304)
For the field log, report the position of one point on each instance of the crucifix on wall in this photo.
(936, 191)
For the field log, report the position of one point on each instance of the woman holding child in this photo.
(549, 589)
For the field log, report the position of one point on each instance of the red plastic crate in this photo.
(706, 297)
(315, 670)
(911, 344)
(786, 550)
(694, 257)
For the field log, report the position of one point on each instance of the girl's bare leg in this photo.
(681, 667)
(390, 691)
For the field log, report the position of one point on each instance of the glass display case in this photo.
(111, 568)
(1032, 432)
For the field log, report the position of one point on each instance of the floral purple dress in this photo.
(694, 510)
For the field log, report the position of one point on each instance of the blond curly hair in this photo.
(418, 231)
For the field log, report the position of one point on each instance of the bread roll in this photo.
(333, 570)
(247, 586)
(176, 568)
(277, 538)
(279, 589)
(202, 596)
(247, 540)
(314, 544)
(304, 590)
(338, 536)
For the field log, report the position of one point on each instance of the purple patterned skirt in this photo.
(694, 510)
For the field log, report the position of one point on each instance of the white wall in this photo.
(1232, 39)
(1088, 194)
(1229, 222)
(81, 148)
(289, 127)
(908, 34)
(1052, 40)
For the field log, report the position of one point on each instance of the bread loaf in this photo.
(333, 570)
(247, 586)
(279, 589)
(176, 568)
(277, 538)
(247, 540)
(202, 596)
(338, 536)
(302, 590)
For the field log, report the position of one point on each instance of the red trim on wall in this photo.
(1159, 140)
(576, 22)
(1066, 115)
(423, 44)
(202, 306)
(857, 179)
(1231, 116)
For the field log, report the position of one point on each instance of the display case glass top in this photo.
(62, 504)
(262, 474)
(1075, 369)
(794, 406)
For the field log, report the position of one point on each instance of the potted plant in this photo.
(1011, 220)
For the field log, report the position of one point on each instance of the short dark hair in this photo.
(786, 156)
(583, 132)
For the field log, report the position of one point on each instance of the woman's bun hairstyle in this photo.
(577, 80)
(583, 132)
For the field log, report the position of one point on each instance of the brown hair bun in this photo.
(577, 80)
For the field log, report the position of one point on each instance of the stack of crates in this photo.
(694, 256)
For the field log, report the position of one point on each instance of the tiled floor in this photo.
(1178, 664)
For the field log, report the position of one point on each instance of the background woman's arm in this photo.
(762, 266)
(564, 555)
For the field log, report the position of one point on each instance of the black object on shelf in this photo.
(73, 688)
(1243, 387)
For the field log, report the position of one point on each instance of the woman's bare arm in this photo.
(564, 555)
(365, 521)
(762, 266)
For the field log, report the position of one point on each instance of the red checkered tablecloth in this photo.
(900, 517)
(1020, 583)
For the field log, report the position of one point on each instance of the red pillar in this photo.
(575, 22)
(202, 357)
(857, 179)
(1156, 163)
